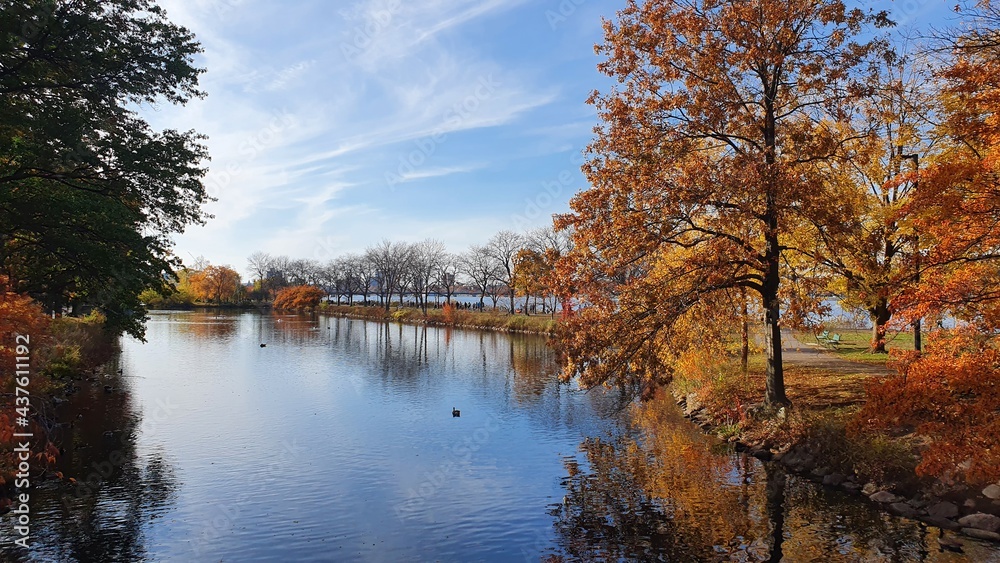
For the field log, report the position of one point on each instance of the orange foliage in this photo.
(19, 314)
(448, 313)
(951, 394)
(709, 154)
(298, 297)
(215, 283)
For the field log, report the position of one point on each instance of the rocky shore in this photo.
(973, 512)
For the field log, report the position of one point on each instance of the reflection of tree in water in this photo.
(208, 326)
(533, 365)
(117, 494)
(664, 493)
(396, 351)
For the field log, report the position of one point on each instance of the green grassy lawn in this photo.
(854, 344)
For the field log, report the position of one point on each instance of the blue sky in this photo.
(335, 124)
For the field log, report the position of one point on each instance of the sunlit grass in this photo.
(855, 344)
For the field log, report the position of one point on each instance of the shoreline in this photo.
(964, 510)
(471, 320)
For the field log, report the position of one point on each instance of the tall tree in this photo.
(216, 283)
(480, 269)
(90, 194)
(502, 248)
(390, 262)
(705, 162)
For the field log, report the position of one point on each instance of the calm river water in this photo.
(336, 442)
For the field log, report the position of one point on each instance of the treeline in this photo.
(508, 266)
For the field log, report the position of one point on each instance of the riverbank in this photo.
(456, 318)
(62, 352)
(813, 439)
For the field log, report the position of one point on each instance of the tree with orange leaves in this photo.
(215, 283)
(705, 161)
(298, 297)
(951, 392)
(870, 260)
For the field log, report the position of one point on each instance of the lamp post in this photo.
(916, 244)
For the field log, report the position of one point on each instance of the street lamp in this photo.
(916, 243)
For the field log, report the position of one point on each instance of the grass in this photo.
(855, 344)
(489, 320)
(825, 401)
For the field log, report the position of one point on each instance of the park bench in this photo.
(833, 342)
(823, 337)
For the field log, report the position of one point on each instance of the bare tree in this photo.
(446, 277)
(426, 260)
(502, 248)
(390, 261)
(480, 268)
(259, 264)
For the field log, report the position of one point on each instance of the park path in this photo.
(814, 355)
(817, 378)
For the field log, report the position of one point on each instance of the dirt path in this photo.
(816, 378)
(813, 355)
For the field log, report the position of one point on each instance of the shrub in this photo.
(298, 297)
(950, 395)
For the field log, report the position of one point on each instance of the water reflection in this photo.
(119, 491)
(667, 493)
(336, 442)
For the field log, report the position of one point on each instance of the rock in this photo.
(940, 522)
(950, 544)
(834, 479)
(869, 489)
(760, 453)
(808, 462)
(987, 522)
(821, 472)
(903, 509)
(691, 404)
(992, 492)
(884, 497)
(970, 504)
(850, 486)
(943, 510)
(981, 534)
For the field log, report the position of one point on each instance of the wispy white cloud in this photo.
(310, 106)
(426, 173)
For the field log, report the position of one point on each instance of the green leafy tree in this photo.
(89, 193)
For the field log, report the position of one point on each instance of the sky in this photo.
(334, 124)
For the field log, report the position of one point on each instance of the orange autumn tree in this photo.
(298, 297)
(530, 270)
(951, 392)
(215, 283)
(869, 261)
(706, 160)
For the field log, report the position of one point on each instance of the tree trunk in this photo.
(775, 383)
(880, 316)
(744, 333)
(510, 289)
